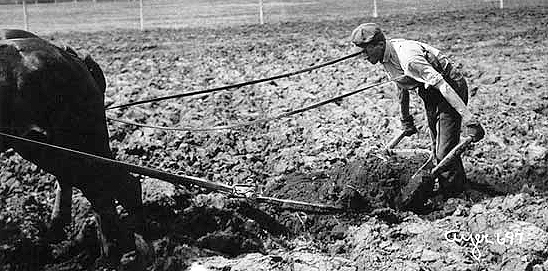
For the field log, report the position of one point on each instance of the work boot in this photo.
(452, 180)
(451, 188)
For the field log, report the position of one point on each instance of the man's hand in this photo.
(474, 129)
(408, 126)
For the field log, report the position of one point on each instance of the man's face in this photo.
(374, 52)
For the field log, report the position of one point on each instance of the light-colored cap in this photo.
(366, 33)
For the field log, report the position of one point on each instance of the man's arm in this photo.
(403, 96)
(454, 100)
(475, 130)
(406, 118)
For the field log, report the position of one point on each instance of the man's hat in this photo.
(366, 33)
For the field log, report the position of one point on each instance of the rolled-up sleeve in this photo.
(419, 69)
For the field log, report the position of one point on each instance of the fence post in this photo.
(261, 20)
(375, 14)
(142, 20)
(501, 4)
(25, 16)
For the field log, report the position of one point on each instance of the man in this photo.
(440, 85)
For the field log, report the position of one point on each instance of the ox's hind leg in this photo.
(115, 238)
(129, 194)
(61, 214)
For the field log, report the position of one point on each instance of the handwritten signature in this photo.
(476, 239)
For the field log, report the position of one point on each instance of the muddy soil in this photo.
(368, 183)
(321, 156)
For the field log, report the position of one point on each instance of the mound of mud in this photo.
(371, 182)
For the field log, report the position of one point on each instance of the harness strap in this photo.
(257, 121)
(238, 85)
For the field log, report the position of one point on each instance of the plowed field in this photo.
(505, 58)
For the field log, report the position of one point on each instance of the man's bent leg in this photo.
(452, 178)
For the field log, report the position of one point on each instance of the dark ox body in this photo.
(49, 94)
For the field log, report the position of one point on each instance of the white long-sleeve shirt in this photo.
(407, 57)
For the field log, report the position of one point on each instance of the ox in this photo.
(49, 94)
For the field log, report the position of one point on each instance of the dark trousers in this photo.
(445, 127)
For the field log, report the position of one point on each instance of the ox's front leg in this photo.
(61, 214)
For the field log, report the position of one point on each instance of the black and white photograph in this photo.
(298, 135)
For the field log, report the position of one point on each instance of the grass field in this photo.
(90, 16)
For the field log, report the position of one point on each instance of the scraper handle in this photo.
(456, 151)
(396, 140)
